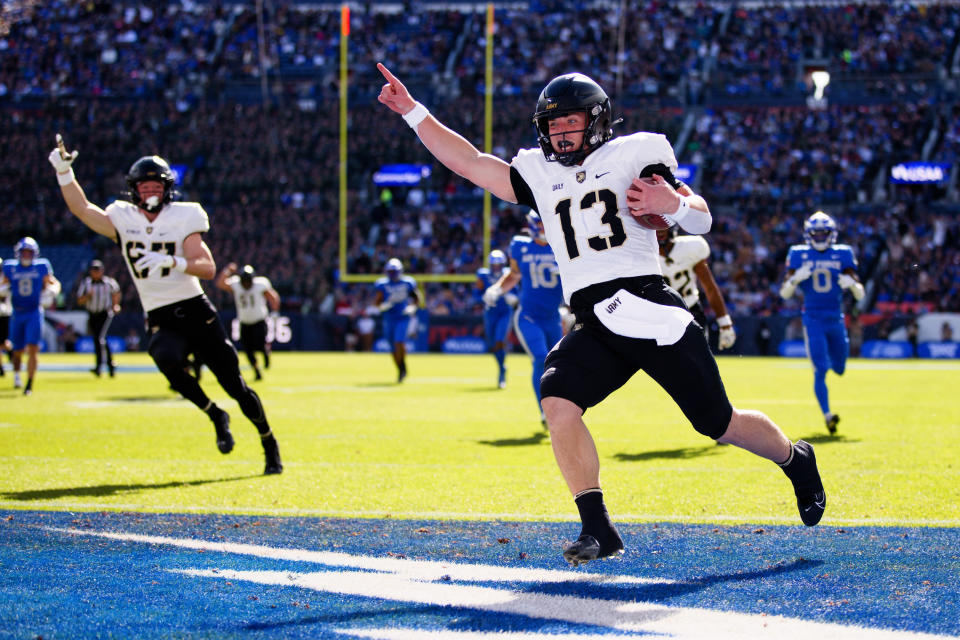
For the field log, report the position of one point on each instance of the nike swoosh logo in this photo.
(210, 321)
(600, 175)
(818, 503)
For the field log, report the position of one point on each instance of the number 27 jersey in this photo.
(584, 209)
(165, 234)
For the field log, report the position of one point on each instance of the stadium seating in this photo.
(726, 85)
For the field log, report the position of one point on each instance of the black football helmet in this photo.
(246, 276)
(150, 168)
(570, 93)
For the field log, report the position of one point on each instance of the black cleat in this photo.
(832, 421)
(402, 374)
(95, 372)
(257, 375)
(28, 390)
(221, 422)
(811, 498)
(271, 452)
(587, 548)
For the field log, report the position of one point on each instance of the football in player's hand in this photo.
(636, 200)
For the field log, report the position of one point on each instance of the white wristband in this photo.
(682, 210)
(179, 263)
(63, 179)
(724, 321)
(416, 115)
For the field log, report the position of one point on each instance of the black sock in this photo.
(212, 410)
(801, 468)
(596, 521)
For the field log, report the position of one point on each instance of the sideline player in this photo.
(496, 315)
(683, 261)
(254, 298)
(162, 245)
(5, 311)
(32, 286)
(100, 294)
(537, 320)
(822, 270)
(394, 292)
(585, 183)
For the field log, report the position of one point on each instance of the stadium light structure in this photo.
(820, 79)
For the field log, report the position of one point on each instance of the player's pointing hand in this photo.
(394, 94)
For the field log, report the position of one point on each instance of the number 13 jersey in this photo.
(584, 209)
(165, 234)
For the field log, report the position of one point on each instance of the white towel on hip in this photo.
(633, 317)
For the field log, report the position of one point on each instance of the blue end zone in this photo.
(60, 584)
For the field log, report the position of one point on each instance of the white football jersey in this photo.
(584, 209)
(251, 303)
(136, 234)
(677, 266)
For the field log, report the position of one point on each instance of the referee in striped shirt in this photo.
(100, 294)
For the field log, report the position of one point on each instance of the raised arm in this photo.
(89, 213)
(449, 147)
(221, 281)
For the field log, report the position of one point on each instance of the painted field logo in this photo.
(496, 591)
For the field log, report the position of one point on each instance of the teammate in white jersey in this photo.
(683, 261)
(255, 298)
(164, 250)
(587, 187)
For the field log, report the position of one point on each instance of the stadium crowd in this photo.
(183, 80)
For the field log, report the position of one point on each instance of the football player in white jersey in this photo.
(589, 188)
(255, 299)
(683, 261)
(164, 250)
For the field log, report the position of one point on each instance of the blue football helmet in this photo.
(394, 269)
(29, 244)
(535, 226)
(498, 260)
(820, 231)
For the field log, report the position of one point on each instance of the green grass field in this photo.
(448, 444)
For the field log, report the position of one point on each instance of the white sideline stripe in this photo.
(401, 567)
(797, 363)
(8, 425)
(337, 387)
(641, 617)
(423, 634)
(637, 518)
(446, 634)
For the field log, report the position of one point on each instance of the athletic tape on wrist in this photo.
(63, 179)
(416, 115)
(179, 263)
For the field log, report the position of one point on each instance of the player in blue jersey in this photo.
(496, 316)
(32, 286)
(398, 299)
(537, 320)
(822, 270)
